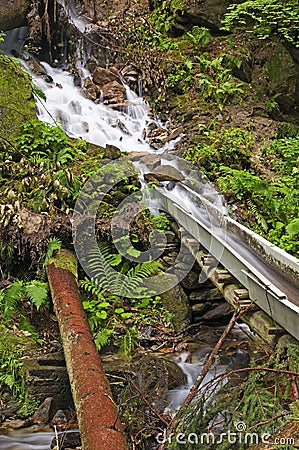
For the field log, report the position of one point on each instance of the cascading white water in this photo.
(26, 441)
(66, 106)
(192, 369)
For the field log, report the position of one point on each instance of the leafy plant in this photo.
(264, 17)
(11, 367)
(229, 146)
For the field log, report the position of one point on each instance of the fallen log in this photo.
(97, 413)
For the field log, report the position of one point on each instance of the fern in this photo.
(123, 281)
(10, 298)
(37, 292)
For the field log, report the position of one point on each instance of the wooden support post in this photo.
(223, 276)
(97, 413)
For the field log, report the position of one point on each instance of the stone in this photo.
(176, 302)
(42, 415)
(36, 67)
(90, 90)
(203, 13)
(113, 92)
(151, 161)
(173, 134)
(281, 72)
(112, 152)
(164, 173)
(220, 314)
(102, 76)
(59, 419)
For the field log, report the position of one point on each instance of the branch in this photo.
(205, 369)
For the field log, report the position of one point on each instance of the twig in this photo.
(269, 420)
(175, 421)
(266, 369)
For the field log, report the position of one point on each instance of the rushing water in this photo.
(26, 441)
(96, 123)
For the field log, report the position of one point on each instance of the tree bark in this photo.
(97, 413)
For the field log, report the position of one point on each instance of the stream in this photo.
(101, 125)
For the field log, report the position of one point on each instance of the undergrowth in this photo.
(251, 409)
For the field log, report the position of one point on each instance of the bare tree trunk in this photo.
(97, 413)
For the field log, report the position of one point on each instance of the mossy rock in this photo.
(281, 73)
(16, 102)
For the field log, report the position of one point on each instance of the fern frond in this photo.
(10, 298)
(37, 292)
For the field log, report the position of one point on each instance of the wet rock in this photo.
(220, 314)
(42, 415)
(151, 161)
(155, 376)
(90, 90)
(112, 152)
(59, 419)
(173, 134)
(102, 77)
(66, 441)
(164, 173)
(36, 67)
(176, 377)
(113, 93)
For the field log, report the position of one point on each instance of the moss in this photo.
(16, 102)
(65, 259)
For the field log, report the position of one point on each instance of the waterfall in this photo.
(97, 123)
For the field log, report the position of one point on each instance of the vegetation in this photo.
(105, 301)
(257, 402)
(263, 18)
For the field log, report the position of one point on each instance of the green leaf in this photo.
(133, 252)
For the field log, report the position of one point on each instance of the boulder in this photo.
(203, 13)
(13, 14)
(281, 72)
(43, 414)
(90, 89)
(164, 173)
(176, 302)
(113, 92)
(102, 76)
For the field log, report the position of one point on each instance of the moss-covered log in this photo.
(97, 413)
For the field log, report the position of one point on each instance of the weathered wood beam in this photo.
(97, 413)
